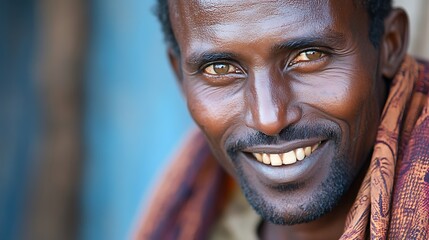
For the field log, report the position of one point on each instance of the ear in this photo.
(394, 43)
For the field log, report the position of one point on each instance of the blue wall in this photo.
(135, 115)
(19, 111)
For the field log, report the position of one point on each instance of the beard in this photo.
(317, 203)
(327, 196)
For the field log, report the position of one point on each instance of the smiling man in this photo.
(313, 109)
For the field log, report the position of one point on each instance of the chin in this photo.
(296, 203)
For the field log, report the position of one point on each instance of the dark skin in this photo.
(249, 67)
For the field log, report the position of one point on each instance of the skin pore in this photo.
(268, 77)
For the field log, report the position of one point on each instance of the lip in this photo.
(293, 173)
(283, 147)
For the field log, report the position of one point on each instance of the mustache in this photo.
(294, 132)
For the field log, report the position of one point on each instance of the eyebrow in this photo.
(332, 39)
(199, 59)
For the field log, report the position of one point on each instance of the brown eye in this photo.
(220, 69)
(307, 56)
(313, 55)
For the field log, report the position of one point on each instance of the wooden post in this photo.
(53, 205)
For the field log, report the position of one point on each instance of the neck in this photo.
(329, 226)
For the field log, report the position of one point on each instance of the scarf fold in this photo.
(392, 202)
(386, 199)
(189, 197)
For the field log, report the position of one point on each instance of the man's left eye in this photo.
(221, 69)
(307, 56)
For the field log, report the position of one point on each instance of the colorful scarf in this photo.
(393, 200)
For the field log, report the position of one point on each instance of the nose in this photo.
(269, 103)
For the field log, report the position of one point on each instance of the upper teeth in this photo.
(286, 158)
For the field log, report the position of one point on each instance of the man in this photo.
(315, 111)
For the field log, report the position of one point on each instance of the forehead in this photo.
(231, 14)
(204, 23)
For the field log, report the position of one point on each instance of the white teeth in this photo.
(275, 160)
(307, 151)
(258, 156)
(315, 146)
(289, 158)
(299, 154)
(266, 159)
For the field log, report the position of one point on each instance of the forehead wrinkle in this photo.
(219, 6)
(224, 10)
(271, 27)
(228, 15)
(205, 13)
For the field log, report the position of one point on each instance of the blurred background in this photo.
(90, 113)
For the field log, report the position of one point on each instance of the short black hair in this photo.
(377, 12)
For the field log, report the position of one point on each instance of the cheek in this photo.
(350, 97)
(359, 103)
(213, 109)
(345, 93)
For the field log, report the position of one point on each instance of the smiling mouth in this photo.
(287, 158)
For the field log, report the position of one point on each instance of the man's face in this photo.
(288, 94)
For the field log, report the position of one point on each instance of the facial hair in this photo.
(320, 201)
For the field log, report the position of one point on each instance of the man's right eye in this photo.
(221, 69)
